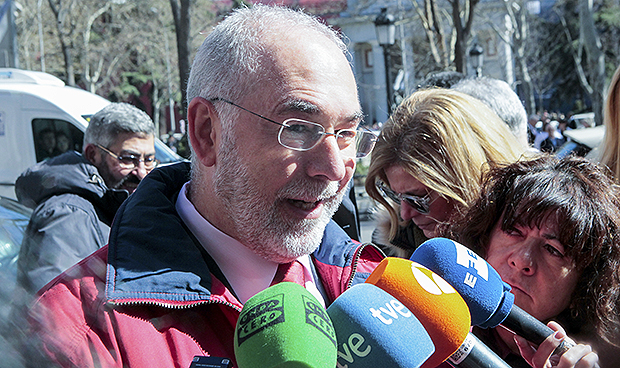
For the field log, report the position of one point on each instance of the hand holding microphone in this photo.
(441, 310)
(284, 326)
(488, 297)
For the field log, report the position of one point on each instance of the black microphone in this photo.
(473, 353)
(488, 297)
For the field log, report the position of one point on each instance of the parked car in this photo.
(14, 219)
(582, 141)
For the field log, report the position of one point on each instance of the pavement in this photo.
(366, 229)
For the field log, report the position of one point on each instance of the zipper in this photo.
(177, 307)
(356, 256)
(173, 306)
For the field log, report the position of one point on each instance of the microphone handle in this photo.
(533, 330)
(473, 353)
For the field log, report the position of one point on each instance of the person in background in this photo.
(553, 139)
(532, 130)
(63, 143)
(443, 79)
(563, 127)
(75, 196)
(550, 227)
(172, 142)
(428, 162)
(502, 99)
(273, 121)
(47, 144)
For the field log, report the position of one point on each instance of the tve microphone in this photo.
(284, 326)
(441, 310)
(373, 329)
(488, 297)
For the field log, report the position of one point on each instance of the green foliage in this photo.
(130, 84)
(610, 16)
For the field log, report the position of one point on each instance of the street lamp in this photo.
(385, 28)
(476, 55)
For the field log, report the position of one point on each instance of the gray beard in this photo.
(260, 225)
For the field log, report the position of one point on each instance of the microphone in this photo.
(441, 310)
(373, 329)
(284, 326)
(488, 297)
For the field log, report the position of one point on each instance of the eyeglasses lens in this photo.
(131, 161)
(365, 143)
(302, 135)
(297, 134)
(418, 204)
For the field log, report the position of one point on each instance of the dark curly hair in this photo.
(584, 202)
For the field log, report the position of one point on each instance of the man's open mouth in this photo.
(304, 205)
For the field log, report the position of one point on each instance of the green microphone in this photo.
(285, 326)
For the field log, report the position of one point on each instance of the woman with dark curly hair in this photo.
(551, 228)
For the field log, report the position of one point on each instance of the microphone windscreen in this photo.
(374, 329)
(435, 303)
(284, 326)
(488, 297)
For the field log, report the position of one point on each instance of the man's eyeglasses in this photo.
(419, 203)
(302, 135)
(131, 161)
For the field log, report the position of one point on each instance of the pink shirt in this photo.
(247, 272)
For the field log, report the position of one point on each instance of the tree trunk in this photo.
(65, 46)
(596, 58)
(181, 15)
(520, 44)
(463, 31)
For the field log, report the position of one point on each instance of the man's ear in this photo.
(90, 153)
(203, 124)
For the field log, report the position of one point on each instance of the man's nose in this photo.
(140, 170)
(328, 161)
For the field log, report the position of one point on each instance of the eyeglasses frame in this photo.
(283, 125)
(119, 158)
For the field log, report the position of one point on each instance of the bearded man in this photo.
(274, 129)
(75, 196)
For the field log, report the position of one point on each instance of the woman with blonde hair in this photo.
(428, 164)
(610, 155)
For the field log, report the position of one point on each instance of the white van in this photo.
(40, 117)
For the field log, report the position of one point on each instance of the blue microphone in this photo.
(488, 297)
(374, 329)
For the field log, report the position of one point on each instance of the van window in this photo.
(53, 137)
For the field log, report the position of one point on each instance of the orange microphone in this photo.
(437, 305)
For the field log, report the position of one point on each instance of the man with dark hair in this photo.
(445, 79)
(75, 196)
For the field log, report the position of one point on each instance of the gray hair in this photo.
(230, 60)
(498, 95)
(115, 119)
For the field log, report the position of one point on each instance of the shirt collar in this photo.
(247, 272)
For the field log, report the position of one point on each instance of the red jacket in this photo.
(151, 298)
